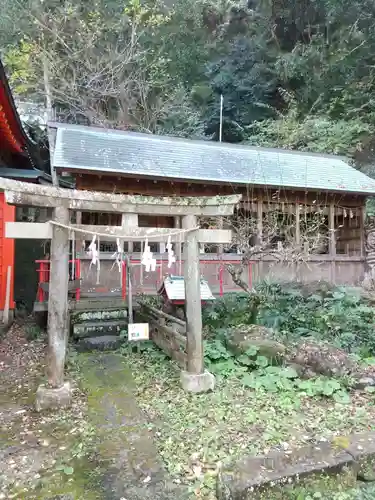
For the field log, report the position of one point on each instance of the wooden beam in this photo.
(178, 356)
(44, 231)
(193, 304)
(21, 193)
(28, 230)
(167, 317)
(58, 300)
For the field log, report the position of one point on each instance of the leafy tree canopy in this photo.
(297, 74)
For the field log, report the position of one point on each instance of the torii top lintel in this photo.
(21, 193)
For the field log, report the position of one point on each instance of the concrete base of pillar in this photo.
(197, 382)
(50, 399)
(4, 327)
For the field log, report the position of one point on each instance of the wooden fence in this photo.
(167, 332)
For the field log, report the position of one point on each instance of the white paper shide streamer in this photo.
(147, 258)
(93, 252)
(117, 256)
(171, 255)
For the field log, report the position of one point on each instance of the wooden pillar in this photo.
(260, 235)
(332, 240)
(58, 300)
(260, 220)
(297, 240)
(221, 225)
(80, 242)
(298, 224)
(129, 221)
(178, 246)
(362, 220)
(192, 297)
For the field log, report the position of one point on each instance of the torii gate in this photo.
(65, 202)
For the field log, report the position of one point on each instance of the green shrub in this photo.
(340, 316)
(231, 310)
(336, 315)
(33, 332)
(256, 372)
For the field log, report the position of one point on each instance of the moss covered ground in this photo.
(43, 455)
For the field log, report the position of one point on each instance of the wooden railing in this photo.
(168, 333)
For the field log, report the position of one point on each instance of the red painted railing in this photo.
(44, 274)
(214, 278)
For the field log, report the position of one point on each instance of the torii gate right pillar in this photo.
(195, 378)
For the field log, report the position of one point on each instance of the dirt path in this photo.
(33, 446)
(128, 458)
(99, 449)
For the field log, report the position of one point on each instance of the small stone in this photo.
(364, 382)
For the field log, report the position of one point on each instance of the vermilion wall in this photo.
(7, 214)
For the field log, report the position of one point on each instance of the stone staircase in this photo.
(98, 329)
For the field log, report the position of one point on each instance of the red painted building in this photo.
(20, 159)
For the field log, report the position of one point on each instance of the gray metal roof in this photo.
(31, 174)
(20, 173)
(129, 153)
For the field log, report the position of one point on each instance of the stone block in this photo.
(362, 448)
(197, 382)
(260, 477)
(98, 328)
(102, 343)
(48, 398)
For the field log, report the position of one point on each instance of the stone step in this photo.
(98, 328)
(98, 315)
(102, 343)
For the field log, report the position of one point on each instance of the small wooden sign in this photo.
(138, 331)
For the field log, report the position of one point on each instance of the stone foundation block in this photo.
(49, 399)
(102, 343)
(197, 382)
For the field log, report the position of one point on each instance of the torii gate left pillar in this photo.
(58, 393)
